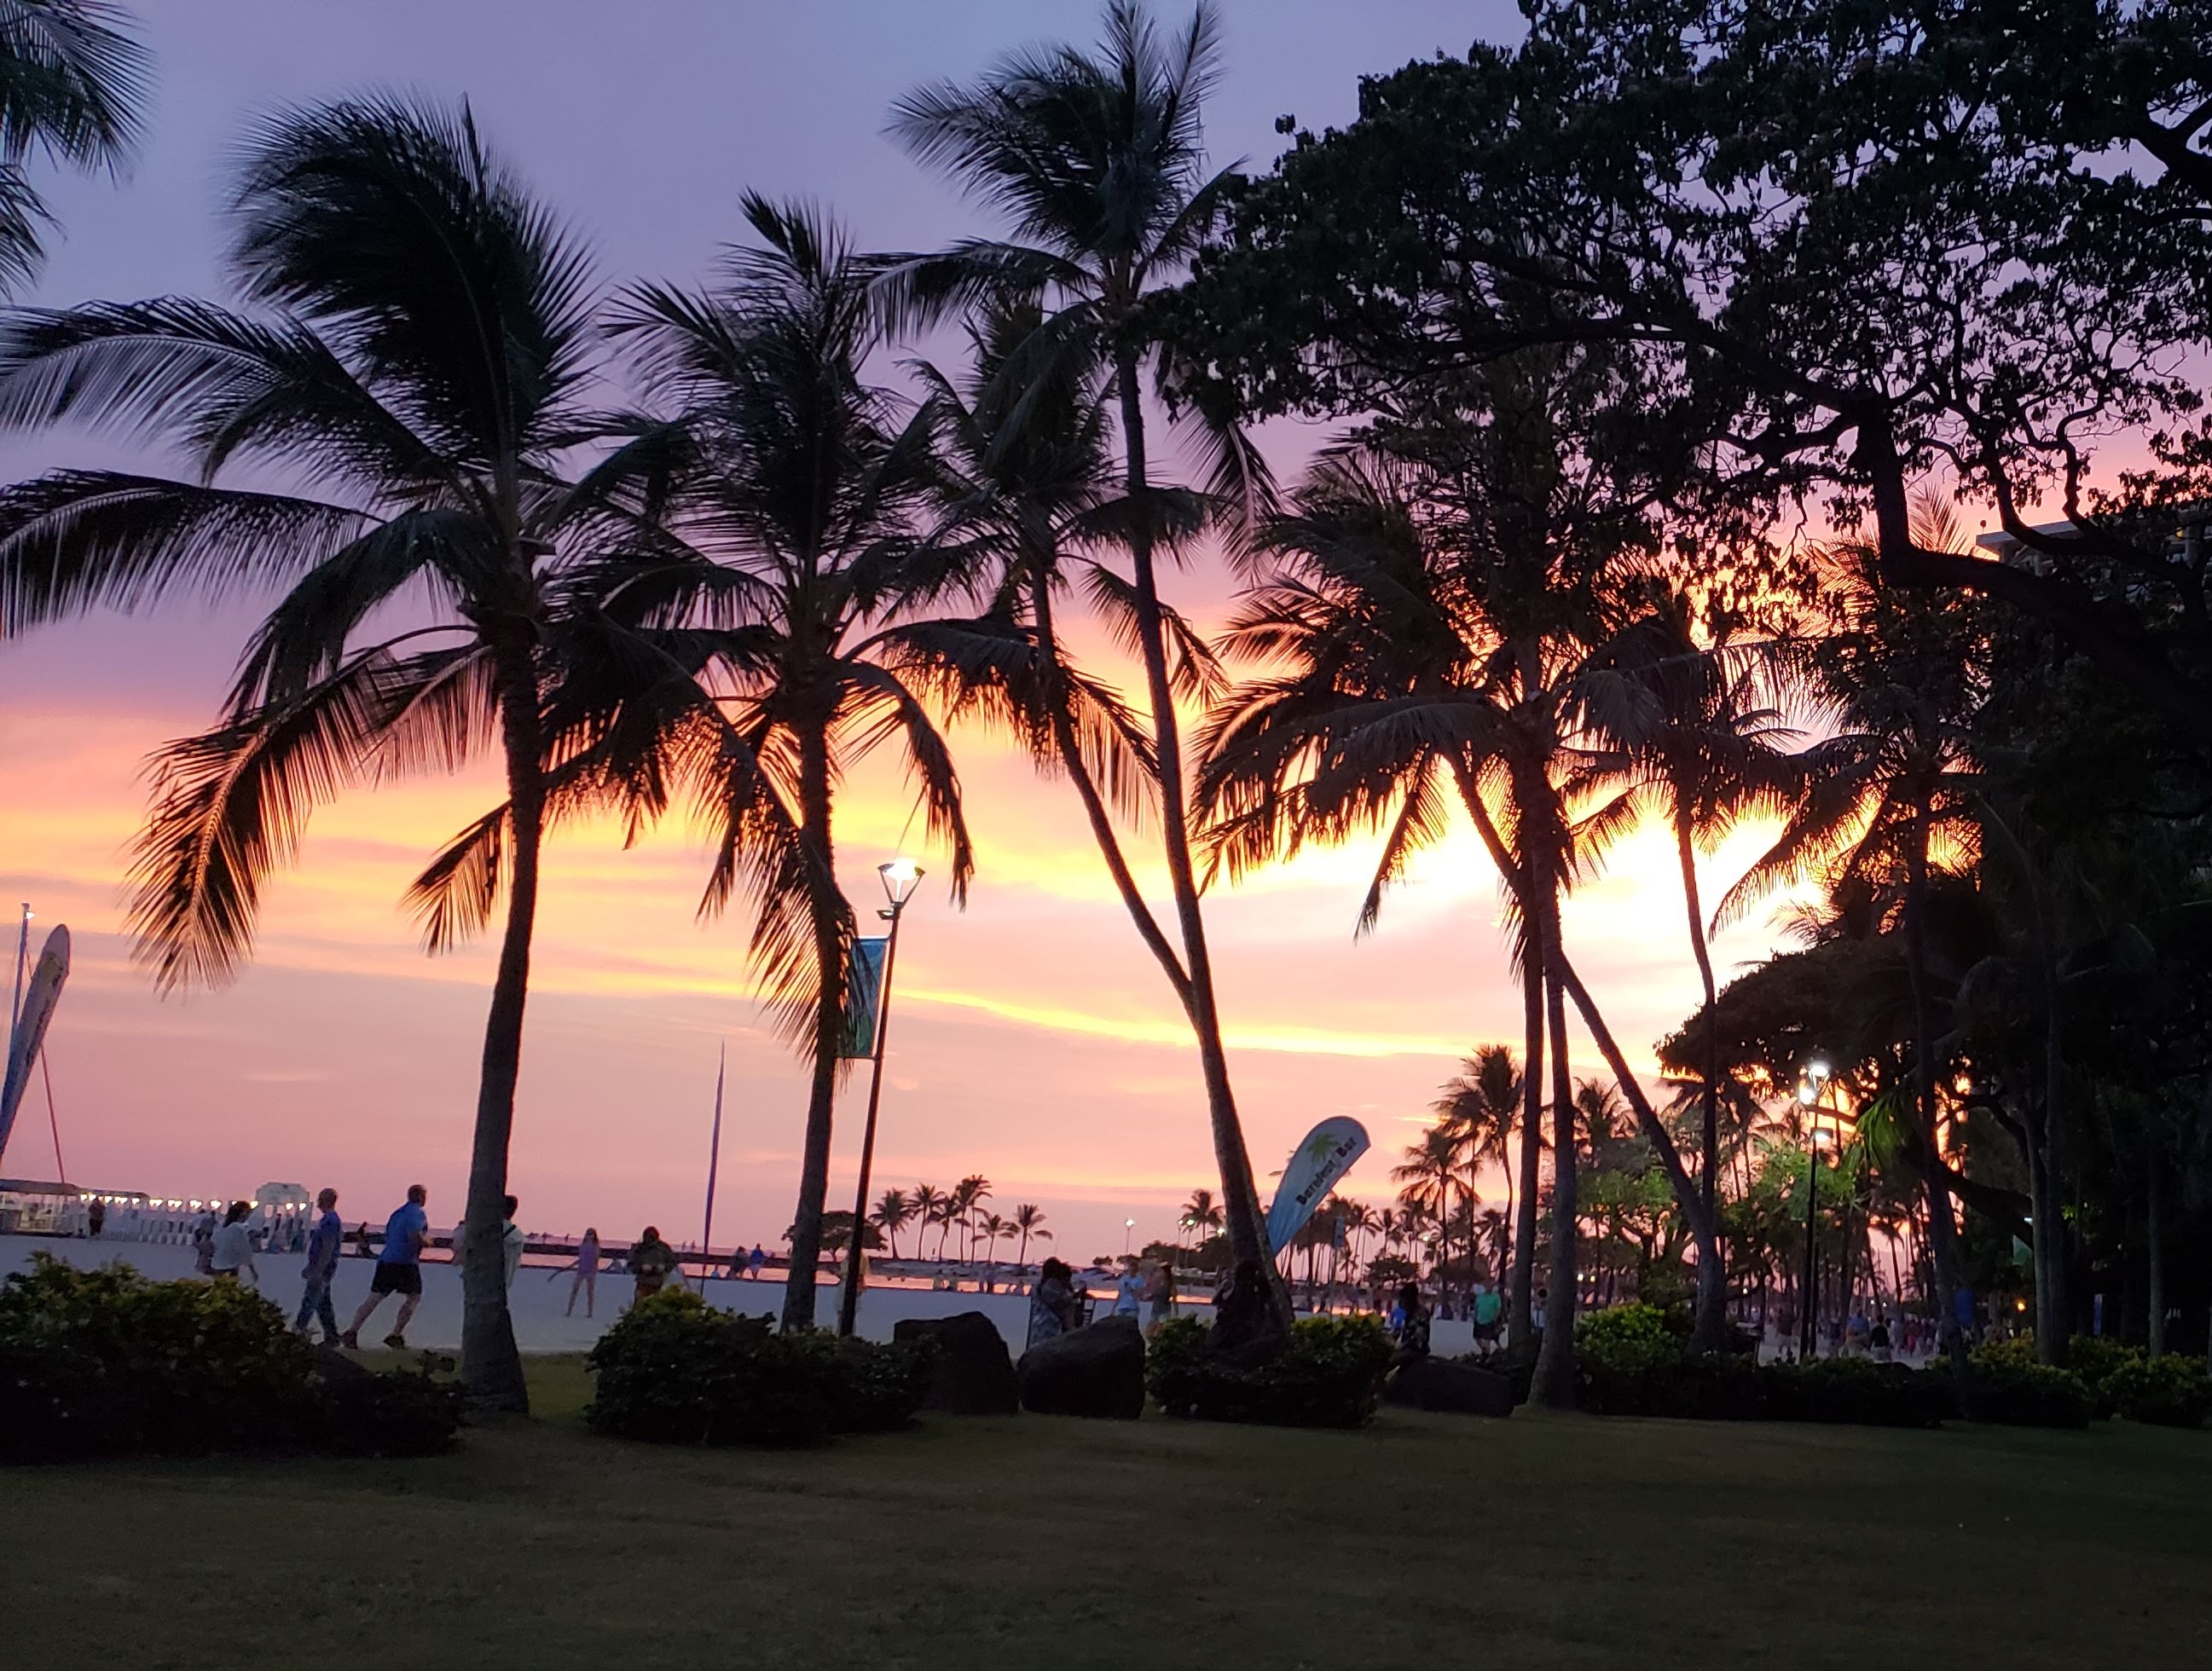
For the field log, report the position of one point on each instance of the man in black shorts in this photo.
(398, 1269)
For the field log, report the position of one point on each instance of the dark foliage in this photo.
(676, 1370)
(1328, 1373)
(106, 1362)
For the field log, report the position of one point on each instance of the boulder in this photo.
(974, 1372)
(1094, 1371)
(1457, 1389)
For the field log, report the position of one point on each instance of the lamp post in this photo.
(899, 876)
(1128, 1230)
(1808, 1093)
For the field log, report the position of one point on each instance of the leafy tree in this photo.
(1850, 243)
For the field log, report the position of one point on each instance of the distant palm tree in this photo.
(74, 86)
(787, 560)
(1028, 1220)
(893, 1213)
(1428, 1175)
(1202, 1213)
(963, 1204)
(993, 1229)
(418, 348)
(1478, 1106)
(1098, 160)
(929, 1203)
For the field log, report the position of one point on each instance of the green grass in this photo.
(1034, 1542)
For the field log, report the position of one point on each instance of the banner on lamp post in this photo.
(864, 992)
(39, 998)
(1317, 1165)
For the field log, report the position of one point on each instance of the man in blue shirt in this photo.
(398, 1269)
(324, 1244)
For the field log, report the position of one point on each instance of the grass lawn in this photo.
(1160, 1545)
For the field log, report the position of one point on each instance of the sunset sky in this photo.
(1033, 1041)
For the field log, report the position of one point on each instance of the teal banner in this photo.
(864, 989)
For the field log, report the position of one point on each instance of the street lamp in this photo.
(1817, 1074)
(899, 877)
(1128, 1230)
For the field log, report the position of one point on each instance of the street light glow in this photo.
(900, 876)
(1817, 1067)
(1807, 1092)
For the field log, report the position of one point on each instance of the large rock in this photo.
(1458, 1389)
(974, 1374)
(1094, 1371)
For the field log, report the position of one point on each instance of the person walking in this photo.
(586, 1279)
(324, 1244)
(754, 1261)
(398, 1269)
(650, 1259)
(1129, 1291)
(230, 1249)
(203, 1229)
(510, 1238)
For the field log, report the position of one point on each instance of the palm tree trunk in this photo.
(1711, 1331)
(828, 1028)
(1521, 1317)
(1943, 1229)
(1246, 1222)
(491, 1365)
(2154, 1251)
(1554, 1383)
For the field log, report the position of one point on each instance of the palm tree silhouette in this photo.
(782, 583)
(418, 353)
(1201, 1213)
(1098, 163)
(961, 1206)
(894, 1212)
(1028, 1220)
(74, 86)
(1477, 1107)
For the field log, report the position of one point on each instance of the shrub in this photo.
(1629, 1340)
(399, 1414)
(2011, 1389)
(2097, 1359)
(2172, 1391)
(1328, 1373)
(104, 1363)
(676, 1370)
(1853, 1391)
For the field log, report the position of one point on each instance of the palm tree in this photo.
(894, 1212)
(962, 1207)
(1711, 753)
(1098, 163)
(74, 86)
(1202, 1213)
(927, 1202)
(1477, 1106)
(1428, 1175)
(1892, 795)
(1028, 1220)
(419, 352)
(993, 1229)
(787, 491)
(1425, 648)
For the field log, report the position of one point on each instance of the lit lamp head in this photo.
(899, 877)
(1807, 1092)
(1819, 1070)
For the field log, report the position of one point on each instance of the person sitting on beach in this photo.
(1051, 1302)
(650, 1259)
